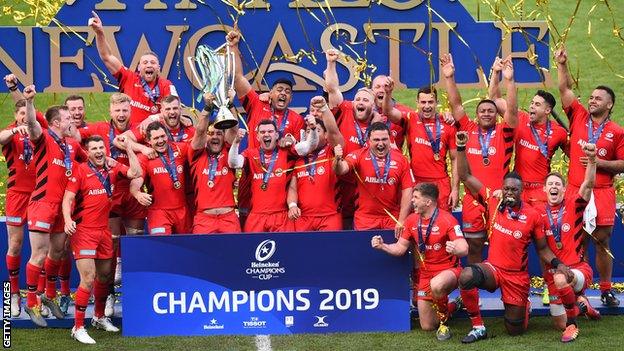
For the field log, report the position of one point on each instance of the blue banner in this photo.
(251, 284)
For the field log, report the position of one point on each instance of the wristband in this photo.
(13, 88)
(461, 148)
(292, 205)
(555, 262)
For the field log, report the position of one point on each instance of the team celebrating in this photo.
(80, 186)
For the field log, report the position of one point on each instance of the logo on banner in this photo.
(214, 324)
(262, 268)
(320, 322)
(254, 322)
(289, 321)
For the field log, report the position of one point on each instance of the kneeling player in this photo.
(440, 242)
(564, 233)
(89, 195)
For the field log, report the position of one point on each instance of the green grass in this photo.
(603, 335)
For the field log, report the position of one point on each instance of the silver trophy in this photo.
(216, 76)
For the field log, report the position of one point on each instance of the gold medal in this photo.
(68, 173)
(559, 245)
(436, 156)
(210, 184)
(264, 186)
(177, 184)
(486, 161)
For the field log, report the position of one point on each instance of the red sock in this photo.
(82, 300)
(471, 301)
(568, 299)
(64, 273)
(100, 292)
(52, 270)
(605, 286)
(13, 266)
(441, 307)
(32, 277)
(41, 282)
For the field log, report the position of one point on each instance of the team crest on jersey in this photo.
(602, 152)
(391, 181)
(320, 170)
(437, 246)
(394, 133)
(517, 234)
(393, 163)
(565, 227)
(224, 171)
(522, 217)
(435, 229)
(609, 135)
(180, 169)
(278, 172)
(492, 149)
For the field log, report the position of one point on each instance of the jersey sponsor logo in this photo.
(58, 162)
(274, 174)
(139, 105)
(100, 191)
(163, 170)
(517, 234)
(422, 141)
(375, 180)
(353, 139)
(565, 227)
(221, 172)
(320, 170)
(528, 145)
(602, 152)
(504, 230)
(437, 246)
(473, 151)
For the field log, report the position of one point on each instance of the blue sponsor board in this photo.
(263, 284)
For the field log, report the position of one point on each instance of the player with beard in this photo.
(54, 155)
(563, 221)
(212, 178)
(594, 125)
(489, 149)
(536, 140)
(75, 104)
(512, 225)
(270, 169)
(440, 242)
(384, 181)
(145, 87)
(312, 192)
(165, 179)
(86, 204)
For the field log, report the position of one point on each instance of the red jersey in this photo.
(19, 155)
(93, 202)
(444, 228)
(609, 145)
(212, 179)
(510, 233)
(499, 151)
(531, 164)
(567, 218)
(425, 166)
(159, 183)
(316, 183)
(258, 110)
(49, 162)
(378, 192)
(143, 103)
(179, 135)
(269, 167)
(397, 131)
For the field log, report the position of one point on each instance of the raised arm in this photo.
(563, 77)
(331, 79)
(235, 159)
(463, 169)
(135, 170)
(511, 112)
(399, 248)
(387, 106)
(494, 92)
(334, 137)
(590, 172)
(201, 136)
(309, 143)
(11, 82)
(34, 128)
(448, 71)
(454, 195)
(241, 84)
(112, 63)
(341, 167)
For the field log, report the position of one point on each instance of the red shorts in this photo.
(95, 243)
(473, 215)
(347, 197)
(533, 194)
(204, 223)
(605, 203)
(16, 208)
(168, 221)
(444, 188)
(124, 205)
(45, 217)
(269, 222)
(313, 223)
(362, 222)
(582, 267)
(514, 286)
(424, 286)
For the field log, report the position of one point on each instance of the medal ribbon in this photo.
(268, 169)
(311, 164)
(422, 241)
(484, 141)
(66, 154)
(105, 181)
(361, 138)
(435, 143)
(177, 138)
(28, 151)
(543, 147)
(154, 94)
(555, 227)
(114, 152)
(281, 126)
(212, 170)
(592, 137)
(384, 180)
(169, 165)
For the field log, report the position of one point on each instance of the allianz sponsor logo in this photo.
(262, 268)
(254, 323)
(528, 145)
(57, 162)
(213, 324)
(100, 191)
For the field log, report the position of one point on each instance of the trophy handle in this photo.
(191, 61)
